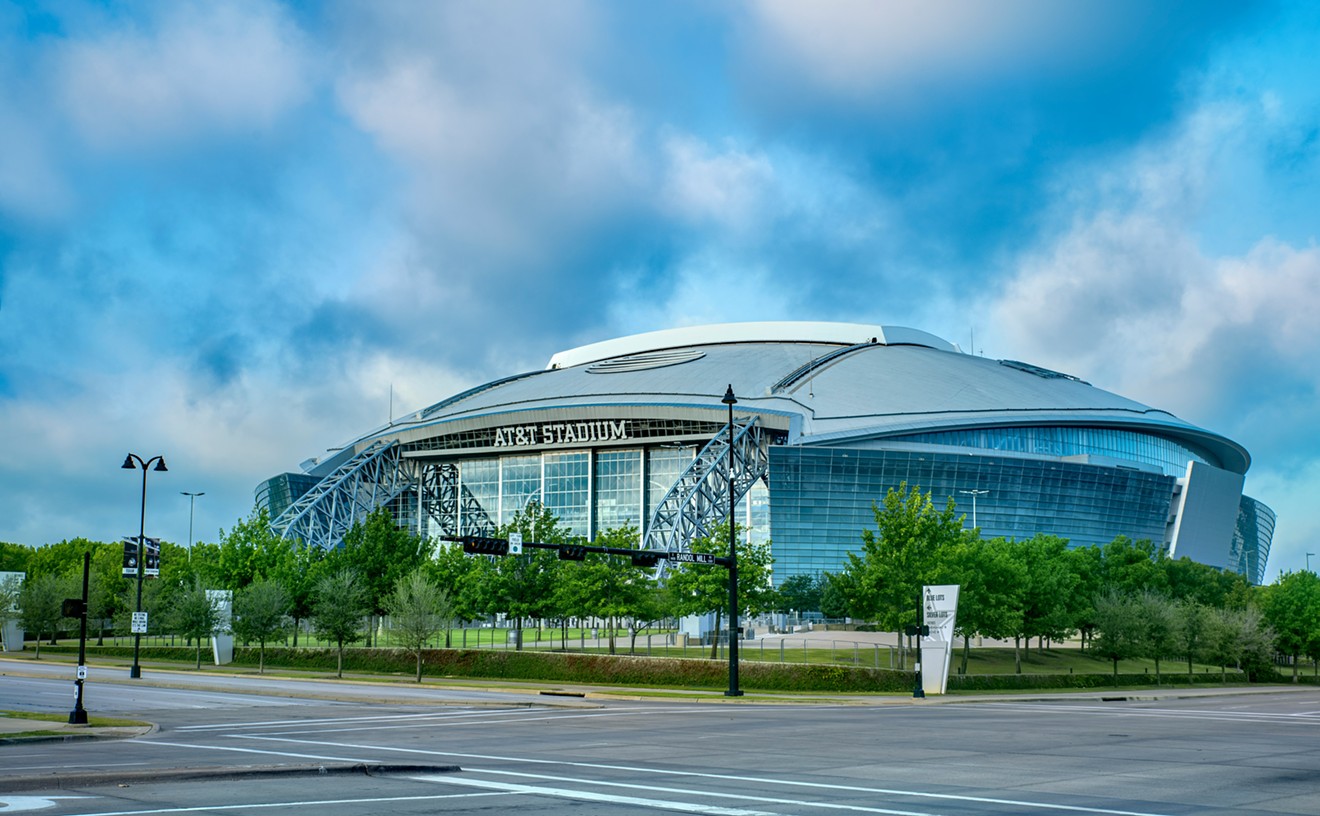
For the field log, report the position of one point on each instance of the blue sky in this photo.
(228, 231)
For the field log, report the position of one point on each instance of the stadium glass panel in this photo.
(618, 487)
(663, 467)
(567, 491)
(821, 499)
(481, 478)
(520, 482)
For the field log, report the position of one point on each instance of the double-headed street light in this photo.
(131, 462)
(729, 400)
(974, 494)
(192, 504)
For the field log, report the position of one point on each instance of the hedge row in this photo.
(625, 670)
(1009, 682)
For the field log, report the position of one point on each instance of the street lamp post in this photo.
(974, 494)
(192, 505)
(131, 462)
(729, 400)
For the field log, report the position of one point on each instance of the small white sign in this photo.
(139, 624)
(82, 672)
(515, 543)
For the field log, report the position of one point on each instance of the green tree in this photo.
(461, 578)
(602, 586)
(898, 556)
(381, 553)
(1050, 606)
(1292, 609)
(339, 603)
(1119, 627)
(418, 609)
(1132, 567)
(836, 594)
(992, 583)
(194, 615)
(1196, 631)
(261, 613)
(250, 551)
(1160, 627)
(800, 593)
(701, 588)
(39, 602)
(522, 586)
(14, 557)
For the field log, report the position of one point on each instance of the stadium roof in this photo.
(835, 382)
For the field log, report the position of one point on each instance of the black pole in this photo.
(734, 629)
(136, 670)
(920, 690)
(131, 461)
(79, 714)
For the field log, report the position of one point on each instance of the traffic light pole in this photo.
(79, 714)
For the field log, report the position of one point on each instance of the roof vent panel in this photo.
(644, 362)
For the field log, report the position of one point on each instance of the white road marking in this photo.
(591, 796)
(310, 803)
(155, 743)
(328, 720)
(796, 803)
(433, 724)
(20, 804)
(1167, 713)
(727, 777)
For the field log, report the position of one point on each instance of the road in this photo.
(1238, 754)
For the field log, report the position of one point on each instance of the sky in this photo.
(239, 233)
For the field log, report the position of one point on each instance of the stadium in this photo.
(827, 417)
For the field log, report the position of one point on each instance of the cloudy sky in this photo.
(229, 230)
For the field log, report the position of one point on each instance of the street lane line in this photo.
(248, 751)
(310, 803)
(446, 724)
(767, 800)
(331, 720)
(729, 777)
(609, 798)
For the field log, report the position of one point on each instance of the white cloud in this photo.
(200, 68)
(858, 46)
(704, 186)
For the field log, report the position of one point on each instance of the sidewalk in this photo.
(24, 729)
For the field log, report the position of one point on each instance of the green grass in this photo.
(97, 722)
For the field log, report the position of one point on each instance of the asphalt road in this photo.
(1240, 754)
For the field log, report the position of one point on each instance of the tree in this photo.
(194, 615)
(10, 588)
(1196, 631)
(836, 594)
(1119, 627)
(261, 613)
(992, 582)
(701, 588)
(521, 586)
(1132, 567)
(898, 557)
(1292, 609)
(40, 602)
(250, 551)
(1050, 606)
(339, 603)
(418, 609)
(458, 576)
(800, 593)
(1160, 627)
(381, 553)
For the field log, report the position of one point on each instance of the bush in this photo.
(1018, 682)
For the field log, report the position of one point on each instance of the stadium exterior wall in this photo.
(841, 414)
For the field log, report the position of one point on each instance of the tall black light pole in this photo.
(734, 634)
(192, 505)
(131, 462)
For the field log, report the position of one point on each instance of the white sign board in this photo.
(515, 543)
(82, 672)
(222, 642)
(939, 611)
(139, 624)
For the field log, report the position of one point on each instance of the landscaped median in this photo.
(656, 672)
(28, 725)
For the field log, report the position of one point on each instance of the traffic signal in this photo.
(484, 545)
(572, 552)
(911, 630)
(646, 560)
(72, 608)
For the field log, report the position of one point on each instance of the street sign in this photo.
(139, 624)
(691, 558)
(82, 672)
(515, 543)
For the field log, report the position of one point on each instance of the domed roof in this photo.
(831, 382)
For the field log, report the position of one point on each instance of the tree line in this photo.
(1125, 599)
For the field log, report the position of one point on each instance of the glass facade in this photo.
(617, 489)
(1252, 538)
(1147, 449)
(567, 487)
(277, 494)
(820, 499)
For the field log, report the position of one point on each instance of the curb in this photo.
(68, 781)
